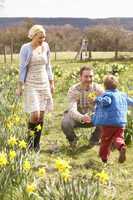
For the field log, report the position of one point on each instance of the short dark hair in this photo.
(84, 68)
(110, 82)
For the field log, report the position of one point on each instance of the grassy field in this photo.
(84, 160)
(71, 55)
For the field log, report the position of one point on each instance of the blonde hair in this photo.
(110, 82)
(36, 29)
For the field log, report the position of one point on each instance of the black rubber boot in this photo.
(95, 137)
(37, 136)
(31, 136)
(34, 140)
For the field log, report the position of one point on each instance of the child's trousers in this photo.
(109, 135)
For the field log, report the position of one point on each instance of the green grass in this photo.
(84, 160)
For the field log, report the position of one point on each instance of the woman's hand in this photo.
(52, 87)
(19, 90)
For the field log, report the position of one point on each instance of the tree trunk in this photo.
(55, 52)
(90, 54)
(116, 54)
(81, 56)
(11, 50)
(4, 54)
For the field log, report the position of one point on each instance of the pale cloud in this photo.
(66, 8)
(2, 3)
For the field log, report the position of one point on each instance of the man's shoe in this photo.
(73, 144)
(122, 156)
(93, 143)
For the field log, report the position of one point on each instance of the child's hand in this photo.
(86, 119)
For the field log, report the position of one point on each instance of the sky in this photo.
(66, 8)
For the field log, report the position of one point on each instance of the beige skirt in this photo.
(37, 100)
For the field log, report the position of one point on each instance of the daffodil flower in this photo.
(22, 144)
(31, 133)
(41, 172)
(102, 177)
(30, 188)
(3, 159)
(12, 154)
(66, 175)
(17, 119)
(12, 141)
(61, 165)
(130, 92)
(38, 127)
(26, 165)
(9, 125)
(92, 96)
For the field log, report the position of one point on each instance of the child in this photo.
(111, 116)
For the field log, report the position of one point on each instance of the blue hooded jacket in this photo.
(111, 109)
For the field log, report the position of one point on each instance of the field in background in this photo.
(71, 56)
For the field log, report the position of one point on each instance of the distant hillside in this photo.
(126, 23)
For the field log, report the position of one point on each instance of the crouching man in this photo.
(80, 108)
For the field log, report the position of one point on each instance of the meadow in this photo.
(58, 173)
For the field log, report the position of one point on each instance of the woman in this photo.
(36, 79)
